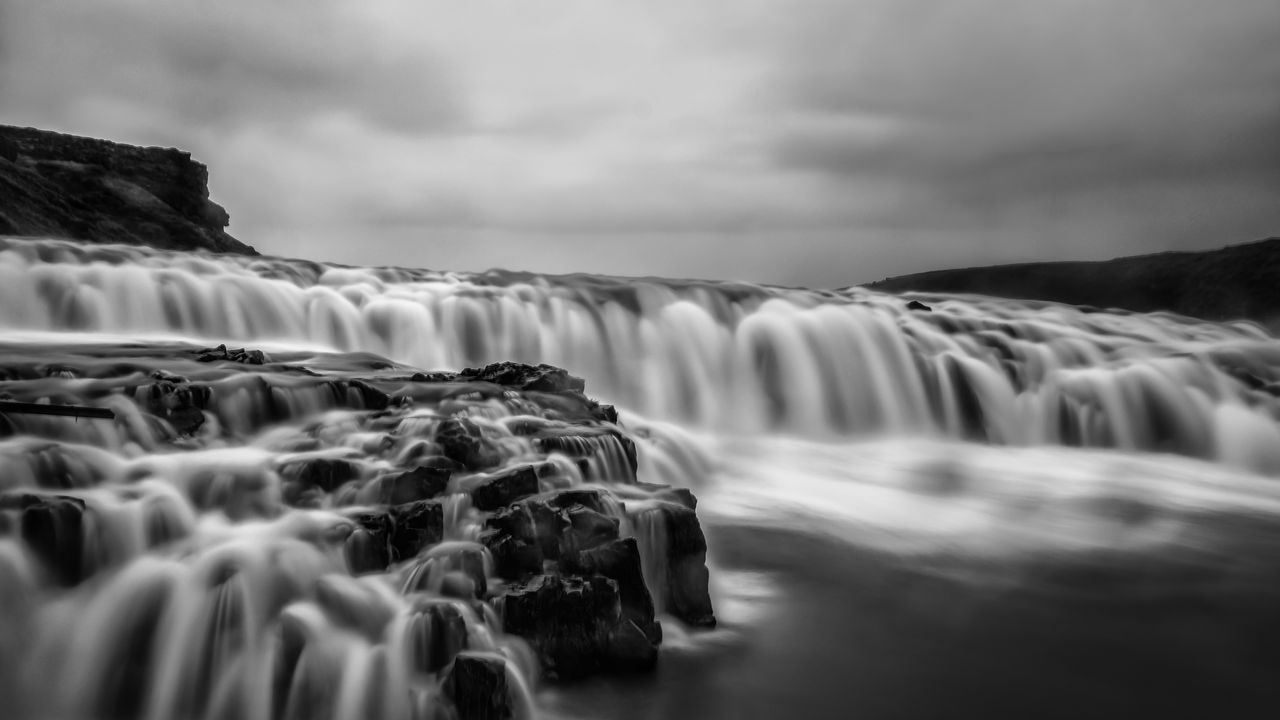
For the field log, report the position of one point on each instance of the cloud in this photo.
(224, 64)
(991, 108)
(796, 141)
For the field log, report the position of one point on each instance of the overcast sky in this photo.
(810, 142)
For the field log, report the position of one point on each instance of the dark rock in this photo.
(83, 188)
(323, 473)
(368, 547)
(420, 483)
(587, 529)
(547, 528)
(361, 394)
(515, 536)
(417, 525)
(679, 496)
(540, 378)
(477, 685)
(241, 355)
(567, 620)
(615, 452)
(53, 527)
(463, 442)
(686, 593)
(609, 413)
(917, 305)
(8, 149)
(442, 632)
(631, 649)
(176, 401)
(619, 560)
(502, 490)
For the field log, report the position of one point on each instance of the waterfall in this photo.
(723, 356)
(215, 551)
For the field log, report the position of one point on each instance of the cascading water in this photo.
(793, 410)
(746, 358)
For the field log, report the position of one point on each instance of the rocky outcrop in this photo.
(82, 188)
(481, 503)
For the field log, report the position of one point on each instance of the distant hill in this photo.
(87, 189)
(1234, 282)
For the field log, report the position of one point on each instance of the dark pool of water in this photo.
(849, 634)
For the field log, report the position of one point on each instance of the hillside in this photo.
(66, 186)
(1234, 282)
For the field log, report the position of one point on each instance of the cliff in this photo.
(1230, 283)
(87, 189)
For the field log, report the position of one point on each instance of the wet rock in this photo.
(463, 442)
(614, 453)
(416, 526)
(456, 564)
(442, 634)
(176, 401)
(514, 539)
(360, 394)
(539, 378)
(477, 685)
(619, 560)
(587, 529)
(679, 496)
(240, 355)
(324, 474)
(919, 306)
(501, 490)
(420, 483)
(547, 528)
(368, 547)
(567, 620)
(53, 527)
(686, 595)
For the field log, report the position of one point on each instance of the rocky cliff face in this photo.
(87, 189)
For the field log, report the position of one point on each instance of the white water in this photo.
(838, 414)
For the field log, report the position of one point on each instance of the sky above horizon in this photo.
(799, 142)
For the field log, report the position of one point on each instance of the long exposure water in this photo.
(991, 507)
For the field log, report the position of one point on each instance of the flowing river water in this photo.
(993, 508)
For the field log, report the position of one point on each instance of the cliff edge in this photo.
(66, 186)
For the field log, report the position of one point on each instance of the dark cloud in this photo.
(985, 113)
(811, 142)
